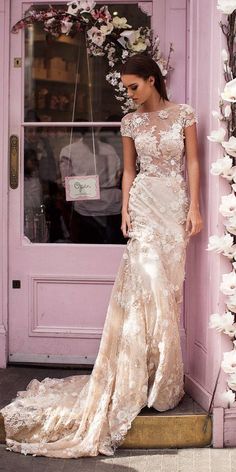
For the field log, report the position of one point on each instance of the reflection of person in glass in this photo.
(94, 221)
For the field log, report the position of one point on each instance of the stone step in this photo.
(175, 431)
(187, 425)
(157, 432)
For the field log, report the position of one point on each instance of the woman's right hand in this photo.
(126, 224)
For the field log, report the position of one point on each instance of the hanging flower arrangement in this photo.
(106, 35)
(225, 167)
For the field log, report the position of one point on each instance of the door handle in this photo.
(14, 161)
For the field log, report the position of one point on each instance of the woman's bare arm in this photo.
(129, 173)
(193, 168)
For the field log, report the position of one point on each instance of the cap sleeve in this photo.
(189, 116)
(125, 126)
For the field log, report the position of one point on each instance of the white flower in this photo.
(162, 68)
(230, 146)
(230, 175)
(217, 135)
(223, 323)
(227, 111)
(228, 205)
(120, 23)
(228, 396)
(215, 114)
(231, 303)
(229, 361)
(232, 381)
(75, 6)
(220, 243)
(95, 35)
(130, 35)
(230, 252)
(230, 224)
(228, 286)
(229, 94)
(66, 26)
(224, 55)
(135, 42)
(107, 29)
(221, 166)
(226, 6)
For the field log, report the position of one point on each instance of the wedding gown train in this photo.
(139, 361)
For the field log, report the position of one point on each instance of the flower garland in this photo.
(107, 36)
(225, 167)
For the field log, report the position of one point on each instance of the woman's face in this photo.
(138, 89)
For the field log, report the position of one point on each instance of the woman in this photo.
(139, 361)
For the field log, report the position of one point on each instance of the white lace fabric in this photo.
(139, 361)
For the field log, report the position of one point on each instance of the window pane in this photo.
(51, 154)
(57, 75)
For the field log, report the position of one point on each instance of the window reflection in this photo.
(51, 154)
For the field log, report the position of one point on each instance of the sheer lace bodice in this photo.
(159, 138)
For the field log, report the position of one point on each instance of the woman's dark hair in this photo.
(144, 66)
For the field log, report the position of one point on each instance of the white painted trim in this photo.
(62, 331)
(195, 390)
(49, 359)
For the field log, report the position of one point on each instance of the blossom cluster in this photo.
(225, 167)
(106, 35)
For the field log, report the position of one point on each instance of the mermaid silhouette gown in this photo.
(139, 362)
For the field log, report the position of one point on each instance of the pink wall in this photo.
(204, 269)
(4, 80)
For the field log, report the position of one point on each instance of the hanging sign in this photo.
(82, 187)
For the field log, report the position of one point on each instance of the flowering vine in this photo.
(225, 167)
(107, 36)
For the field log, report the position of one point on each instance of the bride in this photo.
(139, 362)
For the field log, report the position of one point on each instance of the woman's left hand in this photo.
(195, 220)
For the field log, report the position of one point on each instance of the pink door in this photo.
(63, 255)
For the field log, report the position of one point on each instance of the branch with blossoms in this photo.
(105, 36)
(225, 167)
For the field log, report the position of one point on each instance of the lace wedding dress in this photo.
(139, 362)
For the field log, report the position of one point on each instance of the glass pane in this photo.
(57, 74)
(51, 154)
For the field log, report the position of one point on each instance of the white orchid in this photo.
(227, 111)
(66, 26)
(232, 381)
(230, 252)
(230, 146)
(120, 22)
(228, 396)
(95, 35)
(226, 6)
(217, 136)
(221, 166)
(228, 205)
(220, 243)
(107, 29)
(229, 361)
(224, 323)
(76, 6)
(228, 285)
(230, 224)
(229, 93)
(135, 41)
(231, 303)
